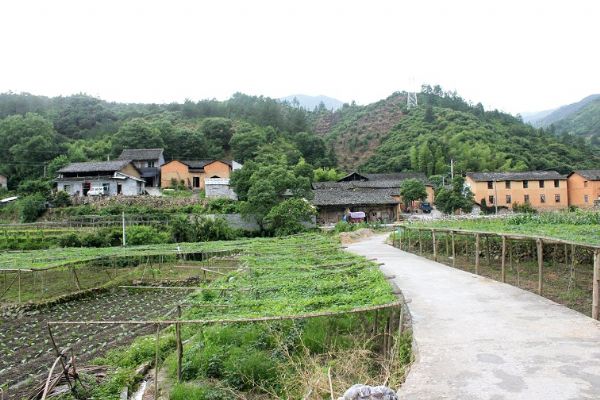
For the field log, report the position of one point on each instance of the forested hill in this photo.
(39, 133)
(581, 119)
(355, 131)
(445, 127)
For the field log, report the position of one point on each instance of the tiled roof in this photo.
(95, 166)
(357, 196)
(589, 174)
(148, 172)
(140, 154)
(515, 176)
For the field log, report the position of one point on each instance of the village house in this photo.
(543, 190)
(377, 195)
(584, 188)
(3, 182)
(148, 162)
(119, 177)
(196, 175)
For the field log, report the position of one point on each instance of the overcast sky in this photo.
(512, 55)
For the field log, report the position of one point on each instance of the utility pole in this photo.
(124, 233)
(45, 169)
(452, 168)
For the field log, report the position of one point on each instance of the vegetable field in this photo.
(253, 338)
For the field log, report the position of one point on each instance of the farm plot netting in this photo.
(286, 278)
(567, 269)
(37, 285)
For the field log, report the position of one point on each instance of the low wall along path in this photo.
(476, 338)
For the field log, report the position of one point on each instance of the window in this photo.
(526, 199)
(150, 164)
(508, 199)
(541, 184)
(525, 184)
(585, 183)
(490, 185)
(507, 184)
(557, 198)
(586, 199)
(556, 183)
(106, 188)
(542, 198)
(67, 188)
(491, 199)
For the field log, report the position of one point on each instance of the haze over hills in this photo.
(580, 119)
(311, 102)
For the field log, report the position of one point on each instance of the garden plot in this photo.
(26, 346)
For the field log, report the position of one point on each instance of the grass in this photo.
(284, 359)
(581, 227)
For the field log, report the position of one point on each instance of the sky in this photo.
(516, 56)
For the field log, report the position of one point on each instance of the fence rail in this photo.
(537, 252)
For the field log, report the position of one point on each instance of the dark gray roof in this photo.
(358, 196)
(140, 154)
(95, 166)
(397, 176)
(515, 176)
(589, 174)
(200, 164)
(382, 181)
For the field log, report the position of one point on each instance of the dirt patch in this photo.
(351, 237)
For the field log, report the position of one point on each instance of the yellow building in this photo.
(193, 174)
(584, 188)
(543, 190)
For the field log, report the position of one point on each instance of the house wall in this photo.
(215, 168)
(3, 182)
(579, 189)
(334, 214)
(517, 193)
(216, 188)
(129, 169)
(174, 170)
(130, 187)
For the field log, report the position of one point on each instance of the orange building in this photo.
(544, 190)
(584, 188)
(193, 174)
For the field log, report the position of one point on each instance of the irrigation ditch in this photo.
(116, 288)
(563, 271)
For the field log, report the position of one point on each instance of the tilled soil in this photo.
(25, 345)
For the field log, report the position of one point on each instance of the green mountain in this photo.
(385, 136)
(580, 119)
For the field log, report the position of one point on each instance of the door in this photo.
(86, 188)
(196, 183)
(119, 188)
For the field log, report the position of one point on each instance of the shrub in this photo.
(61, 199)
(246, 368)
(222, 206)
(201, 229)
(69, 240)
(289, 216)
(191, 391)
(32, 207)
(525, 208)
(141, 234)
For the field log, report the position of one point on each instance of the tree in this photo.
(412, 190)
(245, 143)
(287, 217)
(219, 130)
(457, 198)
(137, 133)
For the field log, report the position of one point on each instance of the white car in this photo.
(96, 191)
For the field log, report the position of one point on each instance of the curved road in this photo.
(476, 338)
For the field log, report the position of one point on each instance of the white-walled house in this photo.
(119, 177)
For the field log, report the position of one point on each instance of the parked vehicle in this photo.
(425, 206)
(96, 191)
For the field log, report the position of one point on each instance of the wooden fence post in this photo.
(596, 286)
(408, 241)
(434, 245)
(503, 258)
(453, 249)
(477, 253)
(157, 349)
(179, 345)
(540, 259)
(420, 243)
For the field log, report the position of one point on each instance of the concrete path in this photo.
(481, 339)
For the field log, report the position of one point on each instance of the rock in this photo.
(364, 392)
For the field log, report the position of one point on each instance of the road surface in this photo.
(476, 338)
